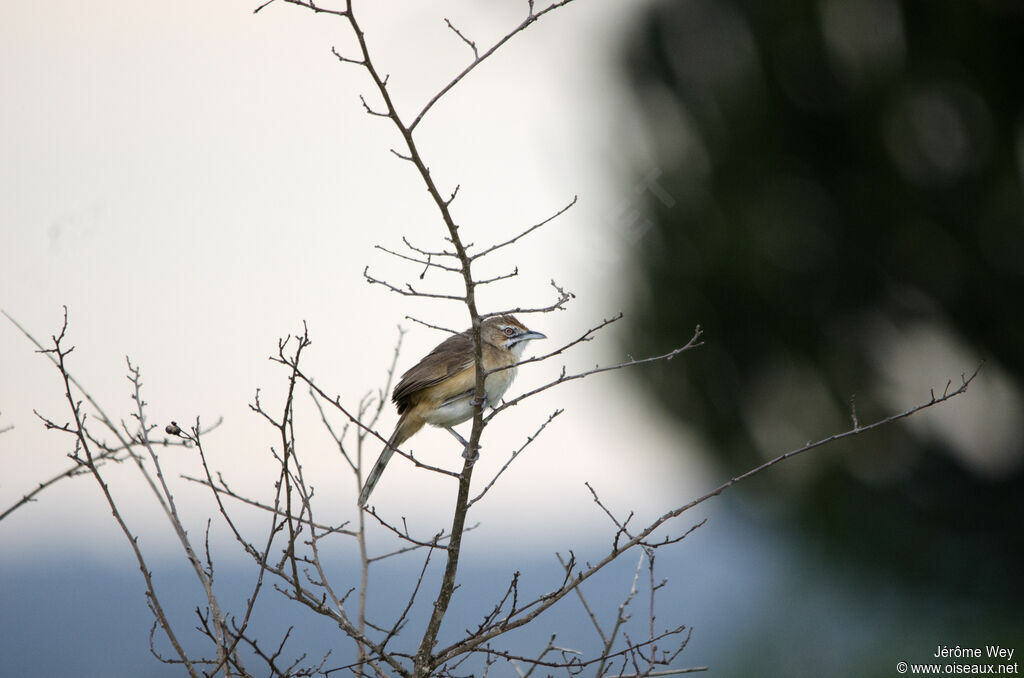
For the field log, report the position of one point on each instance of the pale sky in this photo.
(194, 181)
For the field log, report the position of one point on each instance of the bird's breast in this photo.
(456, 406)
(496, 384)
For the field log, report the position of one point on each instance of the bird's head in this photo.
(508, 333)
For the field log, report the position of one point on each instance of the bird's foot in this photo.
(466, 453)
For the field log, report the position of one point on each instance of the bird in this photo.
(439, 389)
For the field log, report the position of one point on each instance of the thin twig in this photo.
(530, 19)
(515, 454)
(563, 377)
(408, 290)
(431, 326)
(83, 454)
(426, 262)
(558, 305)
(529, 230)
(472, 45)
(585, 337)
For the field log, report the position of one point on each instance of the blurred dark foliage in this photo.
(828, 176)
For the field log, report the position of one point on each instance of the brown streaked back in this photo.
(451, 356)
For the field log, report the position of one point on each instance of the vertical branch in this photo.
(83, 455)
(287, 432)
(205, 577)
(424, 660)
(653, 648)
(260, 556)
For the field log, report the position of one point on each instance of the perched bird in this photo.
(439, 389)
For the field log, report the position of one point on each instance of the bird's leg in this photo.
(466, 453)
(465, 445)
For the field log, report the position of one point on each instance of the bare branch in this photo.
(221, 488)
(308, 4)
(400, 622)
(857, 430)
(50, 353)
(531, 229)
(472, 45)
(166, 499)
(531, 610)
(75, 470)
(433, 327)
(404, 534)
(347, 60)
(409, 290)
(575, 663)
(563, 298)
(568, 566)
(693, 343)
(427, 253)
(400, 155)
(366, 107)
(451, 198)
(531, 18)
(426, 262)
(515, 454)
(497, 278)
(83, 454)
(115, 454)
(586, 336)
(268, 2)
(413, 546)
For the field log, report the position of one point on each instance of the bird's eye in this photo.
(509, 331)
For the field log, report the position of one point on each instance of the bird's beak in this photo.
(529, 336)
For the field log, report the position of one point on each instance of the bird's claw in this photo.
(466, 453)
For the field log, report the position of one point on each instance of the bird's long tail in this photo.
(400, 435)
(375, 473)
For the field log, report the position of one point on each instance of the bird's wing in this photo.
(451, 356)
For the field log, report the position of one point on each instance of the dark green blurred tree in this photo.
(838, 202)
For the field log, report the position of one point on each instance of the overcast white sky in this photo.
(194, 181)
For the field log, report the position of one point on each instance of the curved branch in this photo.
(546, 601)
(531, 17)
